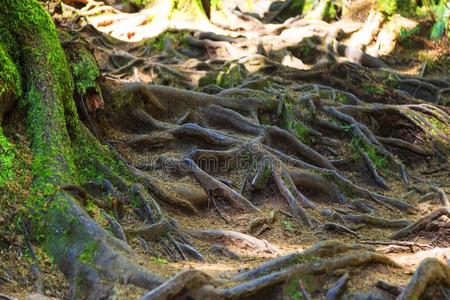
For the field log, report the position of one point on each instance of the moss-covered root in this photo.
(85, 72)
(430, 271)
(89, 256)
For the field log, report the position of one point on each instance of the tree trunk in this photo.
(86, 253)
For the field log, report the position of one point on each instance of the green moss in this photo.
(342, 98)
(344, 188)
(28, 21)
(230, 76)
(371, 88)
(177, 38)
(192, 9)
(379, 161)
(88, 253)
(51, 111)
(85, 74)
(293, 290)
(159, 261)
(264, 119)
(292, 124)
(287, 225)
(48, 88)
(266, 172)
(296, 7)
(387, 6)
(90, 155)
(330, 12)
(10, 80)
(403, 7)
(7, 155)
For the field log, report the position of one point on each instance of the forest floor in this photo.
(161, 61)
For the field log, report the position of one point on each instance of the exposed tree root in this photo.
(430, 271)
(421, 223)
(322, 249)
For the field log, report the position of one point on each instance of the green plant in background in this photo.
(440, 13)
(403, 7)
(159, 261)
(7, 154)
(230, 76)
(378, 160)
(437, 10)
(406, 34)
(372, 88)
(293, 290)
(287, 225)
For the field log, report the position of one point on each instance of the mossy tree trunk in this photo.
(86, 253)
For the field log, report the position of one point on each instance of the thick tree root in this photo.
(430, 271)
(322, 249)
